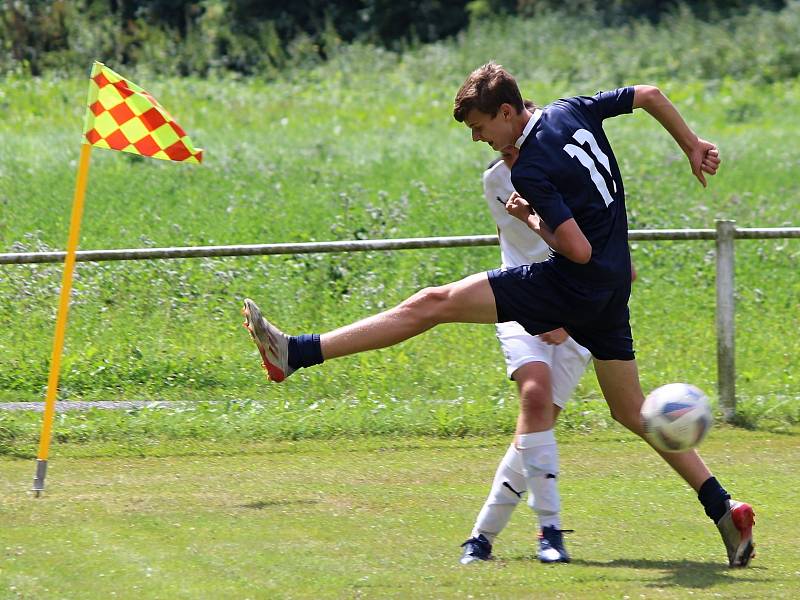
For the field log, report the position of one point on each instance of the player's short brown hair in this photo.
(485, 89)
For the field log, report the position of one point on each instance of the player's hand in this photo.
(704, 158)
(555, 337)
(518, 207)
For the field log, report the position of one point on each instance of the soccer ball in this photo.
(676, 417)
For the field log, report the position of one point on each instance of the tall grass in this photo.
(365, 146)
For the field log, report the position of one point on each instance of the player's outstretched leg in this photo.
(619, 381)
(469, 300)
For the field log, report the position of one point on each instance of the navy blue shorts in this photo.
(540, 300)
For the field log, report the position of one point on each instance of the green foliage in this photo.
(363, 145)
(205, 37)
(621, 11)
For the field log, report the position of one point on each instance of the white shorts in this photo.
(567, 361)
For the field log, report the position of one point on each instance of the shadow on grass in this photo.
(680, 573)
(262, 504)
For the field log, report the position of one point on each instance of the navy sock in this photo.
(304, 350)
(714, 498)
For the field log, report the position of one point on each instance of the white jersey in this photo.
(521, 246)
(518, 244)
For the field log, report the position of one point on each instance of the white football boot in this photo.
(736, 529)
(272, 343)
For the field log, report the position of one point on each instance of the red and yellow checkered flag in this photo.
(123, 116)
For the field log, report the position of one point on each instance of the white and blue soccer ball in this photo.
(676, 417)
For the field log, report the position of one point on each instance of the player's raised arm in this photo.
(703, 155)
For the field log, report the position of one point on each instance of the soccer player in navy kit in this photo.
(569, 191)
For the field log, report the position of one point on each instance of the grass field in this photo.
(383, 519)
(360, 479)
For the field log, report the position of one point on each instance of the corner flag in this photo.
(122, 116)
(119, 116)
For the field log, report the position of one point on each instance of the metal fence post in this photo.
(726, 369)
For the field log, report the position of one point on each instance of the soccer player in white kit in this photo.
(551, 363)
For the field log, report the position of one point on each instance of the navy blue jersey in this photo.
(566, 169)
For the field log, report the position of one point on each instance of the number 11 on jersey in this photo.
(582, 136)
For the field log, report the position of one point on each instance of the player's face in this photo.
(509, 155)
(497, 130)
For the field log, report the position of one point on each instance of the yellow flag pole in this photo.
(61, 320)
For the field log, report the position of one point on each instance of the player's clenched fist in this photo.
(518, 207)
(704, 158)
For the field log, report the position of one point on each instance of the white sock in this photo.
(507, 489)
(539, 454)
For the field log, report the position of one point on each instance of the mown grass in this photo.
(365, 147)
(383, 519)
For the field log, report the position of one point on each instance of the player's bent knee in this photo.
(427, 306)
(540, 404)
(536, 398)
(534, 392)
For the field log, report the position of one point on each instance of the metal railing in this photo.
(724, 235)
